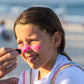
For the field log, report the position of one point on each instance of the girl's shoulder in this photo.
(73, 74)
(74, 70)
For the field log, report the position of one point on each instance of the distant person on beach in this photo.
(2, 28)
(8, 58)
(3, 34)
(41, 38)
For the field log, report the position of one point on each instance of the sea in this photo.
(70, 12)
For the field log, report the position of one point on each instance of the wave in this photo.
(70, 17)
(73, 19)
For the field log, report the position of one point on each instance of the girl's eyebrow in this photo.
(29, 38)
(32, 36)
(18, 40)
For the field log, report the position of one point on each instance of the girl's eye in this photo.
(19, 43)
(33, 41)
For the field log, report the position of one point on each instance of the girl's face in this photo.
(41, 52)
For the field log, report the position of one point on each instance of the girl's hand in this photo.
(12, 80)
(8, 58)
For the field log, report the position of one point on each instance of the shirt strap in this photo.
(63, 67)
(24, 77)
(27, 79)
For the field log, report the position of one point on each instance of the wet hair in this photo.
(46, 20)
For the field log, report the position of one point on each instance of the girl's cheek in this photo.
(35, 47)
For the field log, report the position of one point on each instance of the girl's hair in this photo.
(46, 20)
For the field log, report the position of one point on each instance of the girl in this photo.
(41, 38)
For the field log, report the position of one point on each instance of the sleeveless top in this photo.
(27, 79)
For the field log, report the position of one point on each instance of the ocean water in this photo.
(70, 12)
(71, 9)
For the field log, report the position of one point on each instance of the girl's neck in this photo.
(43, 71)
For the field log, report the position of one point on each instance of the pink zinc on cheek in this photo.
(27, 47)
(35, 47)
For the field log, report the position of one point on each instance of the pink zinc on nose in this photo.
(25, 48)
(35, 47)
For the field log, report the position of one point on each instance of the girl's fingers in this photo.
(8, 63)
(8, 56)
(12, 80)
(5, 50)
(5, 71)
(8, 59)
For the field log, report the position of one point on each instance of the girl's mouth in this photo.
(32, 58)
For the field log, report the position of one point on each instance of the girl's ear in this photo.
(57, 39)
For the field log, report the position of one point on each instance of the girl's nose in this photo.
(25, 48)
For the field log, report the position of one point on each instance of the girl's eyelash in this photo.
(29, 41)
(33, 40)
(19, 42)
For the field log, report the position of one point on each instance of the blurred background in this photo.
(71, 14)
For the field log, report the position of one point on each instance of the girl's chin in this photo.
(33, 66)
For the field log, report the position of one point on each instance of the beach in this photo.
(74, 34)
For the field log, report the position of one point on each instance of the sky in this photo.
(42, 1)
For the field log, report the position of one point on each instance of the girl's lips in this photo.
(32, 58)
